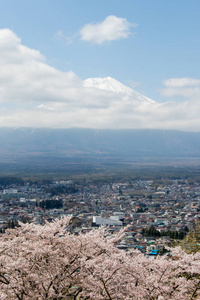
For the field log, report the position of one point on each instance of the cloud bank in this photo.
(184, 87)
(112, 28)
(34, 94)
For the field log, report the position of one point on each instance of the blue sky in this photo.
(152, 46)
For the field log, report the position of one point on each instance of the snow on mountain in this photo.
(112, 85)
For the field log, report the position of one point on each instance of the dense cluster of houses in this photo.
(170, 206)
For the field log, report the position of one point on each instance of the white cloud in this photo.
(184, 87)
(112, 28)
(181, 82)
(34, 94)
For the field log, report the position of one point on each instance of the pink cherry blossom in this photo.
(48, 262)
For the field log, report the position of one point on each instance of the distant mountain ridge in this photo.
(74, 143)
(112, 85)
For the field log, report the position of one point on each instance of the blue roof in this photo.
(153, 252)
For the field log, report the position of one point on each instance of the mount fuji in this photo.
(112, 85)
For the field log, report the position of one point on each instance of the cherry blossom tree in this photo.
(48, 262)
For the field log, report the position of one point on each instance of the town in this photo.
(156, 212)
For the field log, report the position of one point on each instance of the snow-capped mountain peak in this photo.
(112, 85)
(107, 84)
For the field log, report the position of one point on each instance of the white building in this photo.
(98, 221)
